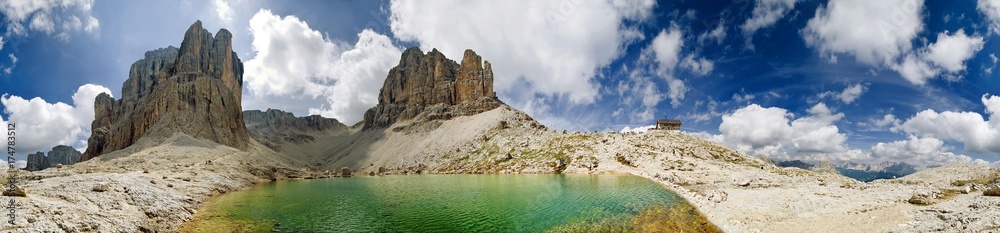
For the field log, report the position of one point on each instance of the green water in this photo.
(443, 203)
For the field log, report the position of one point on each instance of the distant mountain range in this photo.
(862, 172)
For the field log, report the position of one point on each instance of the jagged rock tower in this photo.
(195, 90)
(432, 85)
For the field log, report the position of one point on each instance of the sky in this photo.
(839, 80)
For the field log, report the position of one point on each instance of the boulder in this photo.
(717, 196)
(101, 187)
(195, 89)
(17, 191)
(924, 197)
(435, 87)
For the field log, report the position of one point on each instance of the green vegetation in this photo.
(980, 181)
(676, 217)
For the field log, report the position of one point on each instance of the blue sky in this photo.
(840, 80)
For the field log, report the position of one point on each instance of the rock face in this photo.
(432, 85)
(195, 90)
(272, 127)
(37, 162)
(64, 155)
(60, 154)
(824, 167)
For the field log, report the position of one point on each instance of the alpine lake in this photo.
(452, 203)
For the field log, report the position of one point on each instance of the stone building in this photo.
(668, 124)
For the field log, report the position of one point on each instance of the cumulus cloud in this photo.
(776, 133)
(766, 13)
(662, 57)
(42, 15)
(920, 151)
(874, 32)
(951, 51)
(977, 135)
(637, 129)
(535, 42)
(848, 95)
(698, 66)
(880, 33)
(41, 125)
(223, 11)
(295, 61)
(991, 9)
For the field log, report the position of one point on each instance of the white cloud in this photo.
(920, 151)
(848, 95)
(880, 33)
(951, 51)
(665, 53)
(874, 32)
(776, 133)
(93, 26)
(13, 63)
(39, 14)
(537, 42)
(666, 46)
(635, 9)
(19, 164)
(766, 13)
(223, 11)
(41, 22)
(637, 129)
(639, 94)
(887, 120)
(977, 134)
(295, 61)
(947, 55)
(991, 9)
(718, 34)
(699, 66)
(41, 125)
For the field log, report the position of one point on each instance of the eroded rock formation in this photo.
(432, 85)
(272, 127)
(60, 154)
(64, 155)
(37, 161)
(195, 89)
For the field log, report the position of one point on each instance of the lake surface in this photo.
(440, 203)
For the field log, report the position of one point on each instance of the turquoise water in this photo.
(442, 203)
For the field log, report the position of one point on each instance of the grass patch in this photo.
(980, 181)
(992, 191)
(676, 217)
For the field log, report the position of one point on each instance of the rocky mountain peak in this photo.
(60, 154)
(435, 87)
(275, 127)
(195, 89)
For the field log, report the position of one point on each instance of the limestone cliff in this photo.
(60, 154)
(37, 161)
(274, 127)
(64, 155)
(195, 89)
(434, 87)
